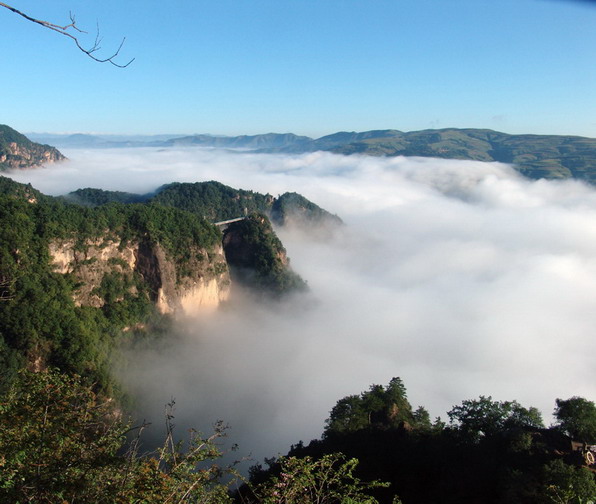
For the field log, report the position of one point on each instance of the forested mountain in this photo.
(71, 278)
(77, 270)
(17, 151)
(78, 279)
(535, 156)
(295, 209)
(217, 202)
(212, 200)
(94, 197)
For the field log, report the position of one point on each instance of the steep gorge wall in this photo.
(201, 284)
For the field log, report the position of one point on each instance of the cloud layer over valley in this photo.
(460, 277)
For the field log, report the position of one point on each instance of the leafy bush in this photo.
(62, 443)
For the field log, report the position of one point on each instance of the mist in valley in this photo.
(460, 277)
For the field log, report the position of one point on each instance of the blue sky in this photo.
(311, 67)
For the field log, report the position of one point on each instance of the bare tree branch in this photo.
(63, 30)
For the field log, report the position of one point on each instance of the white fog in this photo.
(460, 277)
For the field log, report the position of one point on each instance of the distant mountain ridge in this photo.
(251, 142)
(535, 156)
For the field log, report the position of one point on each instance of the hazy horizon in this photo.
(285, 131)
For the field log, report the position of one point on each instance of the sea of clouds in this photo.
(460, 277)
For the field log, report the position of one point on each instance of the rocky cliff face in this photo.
(17, 151)
(257, 257)
(200, 285)
(17, 156)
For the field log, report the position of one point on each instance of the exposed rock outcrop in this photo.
(199, 285)
(17, 151)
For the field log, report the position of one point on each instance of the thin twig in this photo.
(63, 31)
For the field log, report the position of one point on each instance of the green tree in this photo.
(328, 480)
(422, 418)
(566, 484)
(483, 416)
(62, 443)
(577, 418)
(347, 415)
(380, 407)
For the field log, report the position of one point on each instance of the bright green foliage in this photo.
(328, 480)
(577, 417)
(57, 441)
(484, 416)
(565, 484)
(175, 229)
(61, 443)
(377, 407)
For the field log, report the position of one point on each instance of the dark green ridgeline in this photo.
(534, 156)
(212, 200)
(216, 202)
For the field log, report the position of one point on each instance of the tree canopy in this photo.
(577, 417)
(380, 406)
(484, 416)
